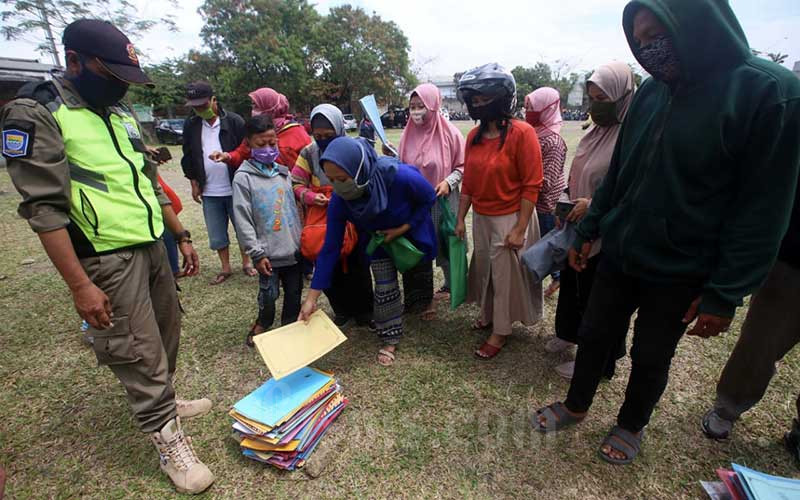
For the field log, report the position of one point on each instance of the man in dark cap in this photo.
(89, 191)
(212, 129)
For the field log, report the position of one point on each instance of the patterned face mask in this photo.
(660, 59)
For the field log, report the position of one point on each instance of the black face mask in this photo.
(490, 112)
(604, 113)
(96, 90)
(660, 59)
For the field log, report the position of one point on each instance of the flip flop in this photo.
(220, 278)
(248, 341)
(487, 351)
(556, 418)
(621, 441)
(388, 354)
(249, 271)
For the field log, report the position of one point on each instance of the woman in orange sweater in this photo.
(502, 179)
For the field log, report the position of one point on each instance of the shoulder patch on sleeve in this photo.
(18, 136)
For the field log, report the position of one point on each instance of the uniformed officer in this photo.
(89, 191)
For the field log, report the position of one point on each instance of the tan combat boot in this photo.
(178, 460)
(188, 408)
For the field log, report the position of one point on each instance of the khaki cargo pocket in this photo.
(114, 346)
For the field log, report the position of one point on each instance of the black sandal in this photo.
(792, 440)
(556, 416)
(621, 441)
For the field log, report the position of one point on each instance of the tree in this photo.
(36, 21)
(260, 43)
(169, 91)
(776, 57)
(362, 54)
(542, 75)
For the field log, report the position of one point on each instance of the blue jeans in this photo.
(547, 222)
(172, 251)
(217, 211)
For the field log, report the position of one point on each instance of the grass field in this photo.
(437, 424)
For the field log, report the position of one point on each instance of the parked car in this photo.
(350, 123)
(170, 131)
(394, 118)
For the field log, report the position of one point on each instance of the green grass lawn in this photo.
(437, 424)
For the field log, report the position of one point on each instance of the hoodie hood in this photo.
(332, 114)
(705, 33)
(249, 168)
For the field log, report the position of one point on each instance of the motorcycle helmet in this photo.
(490, 80)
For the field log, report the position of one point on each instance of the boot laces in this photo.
(181, 452)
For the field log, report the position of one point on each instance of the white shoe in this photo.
(566, 370)
(556, 345)
(179, 461)
(188, 408)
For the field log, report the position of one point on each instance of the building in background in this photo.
(797, 69)
(449, 90)
(14, 73)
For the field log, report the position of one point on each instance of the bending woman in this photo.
(378, 195)
(350, 293)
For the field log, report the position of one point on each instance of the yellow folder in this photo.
(292, 347)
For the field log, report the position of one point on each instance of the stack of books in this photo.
(742, 483)
(281, 422)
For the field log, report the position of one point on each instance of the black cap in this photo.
(198, 93)
(101, 39)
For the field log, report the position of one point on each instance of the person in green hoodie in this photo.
(693, 208)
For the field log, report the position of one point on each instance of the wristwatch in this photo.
(184, 237)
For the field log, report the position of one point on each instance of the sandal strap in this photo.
(386, 353)
(626, 441)
(556, 417)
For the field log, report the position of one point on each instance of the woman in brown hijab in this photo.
(610, 90)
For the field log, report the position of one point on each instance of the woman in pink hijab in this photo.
(436, 147)
(292, 137)
(543, 112)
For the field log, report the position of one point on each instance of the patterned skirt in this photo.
(388, 312)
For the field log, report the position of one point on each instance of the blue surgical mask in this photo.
(97, 91)
(266, 155)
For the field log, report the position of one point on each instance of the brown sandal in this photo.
(220, 278)
(487, 351)
(248, 341)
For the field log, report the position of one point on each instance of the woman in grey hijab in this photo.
(351, 293)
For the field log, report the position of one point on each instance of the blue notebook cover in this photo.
(760, 486)
(276, 399)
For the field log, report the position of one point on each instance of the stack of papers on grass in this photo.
(742, 483)
(281, 422)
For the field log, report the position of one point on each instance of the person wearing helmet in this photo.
(502, 179)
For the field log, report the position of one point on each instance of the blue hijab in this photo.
(377, 173)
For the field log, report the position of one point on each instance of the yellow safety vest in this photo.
(112, 201)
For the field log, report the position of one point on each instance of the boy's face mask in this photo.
(266, 155)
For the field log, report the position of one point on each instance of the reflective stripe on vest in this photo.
(113, 201)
